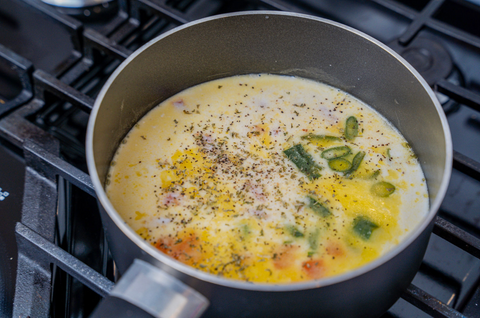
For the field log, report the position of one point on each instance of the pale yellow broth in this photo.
(205, 179)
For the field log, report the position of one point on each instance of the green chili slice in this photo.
(351, 128)
(340, 164)
(293, 231)
(313, 240)
(363, 227)
(336, 152)
(375, 174)
(317, 207)
(320, 137)
(304, 161)
(357, 160)
(245, 230)
(383, 189)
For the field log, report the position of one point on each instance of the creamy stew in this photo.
(267, 178)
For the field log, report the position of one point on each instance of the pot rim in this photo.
(188, 270)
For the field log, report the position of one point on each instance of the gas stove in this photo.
(54, 259)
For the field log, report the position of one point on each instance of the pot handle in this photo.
(147, 291)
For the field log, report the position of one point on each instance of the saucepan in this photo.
(276, 43)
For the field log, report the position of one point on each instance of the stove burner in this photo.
(449, 105)
(427, 56)
(75, 3)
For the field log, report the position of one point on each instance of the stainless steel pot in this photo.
(279, 43)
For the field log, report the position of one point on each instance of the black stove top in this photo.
(53, 62)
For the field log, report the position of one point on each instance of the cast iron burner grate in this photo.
(63, 272)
